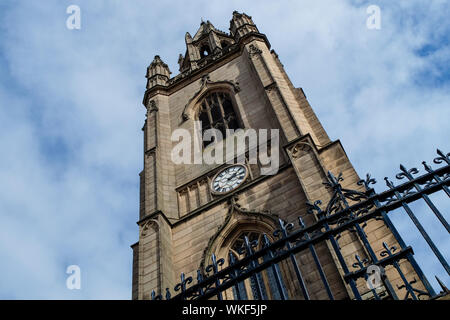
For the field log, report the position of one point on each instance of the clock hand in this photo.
(232, 176)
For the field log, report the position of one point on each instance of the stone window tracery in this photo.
(265, 279)
(217, 112)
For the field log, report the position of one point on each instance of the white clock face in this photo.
(229, 179)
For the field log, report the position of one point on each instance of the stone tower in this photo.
(229, 81)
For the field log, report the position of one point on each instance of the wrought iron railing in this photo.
(348, 210)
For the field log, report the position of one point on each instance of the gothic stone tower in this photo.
(232, 80)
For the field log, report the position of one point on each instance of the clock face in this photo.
(229, 179)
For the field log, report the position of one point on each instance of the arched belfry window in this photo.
(204, 51)
(260, 283)
(217, 112)
(224, 44)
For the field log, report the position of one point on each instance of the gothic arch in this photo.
(229, 238)
(236, 229)
(152, 226)
(238, 220)
(208, 86)
(300, 148)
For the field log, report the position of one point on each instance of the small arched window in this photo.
(261, 283)
(204, 51)
(217, 112)
(224, 44)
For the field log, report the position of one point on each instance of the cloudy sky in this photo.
(71, 115)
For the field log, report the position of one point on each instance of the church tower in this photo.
(190, 210)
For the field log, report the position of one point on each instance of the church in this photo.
(190, 212)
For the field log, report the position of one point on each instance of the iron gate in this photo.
(348, 210)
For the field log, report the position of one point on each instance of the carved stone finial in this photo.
(300, 149)
(158, 62)
(158, 73)
(152, 107)
(147, 225)
(254, 50)
(205, 79)
(241, 24)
